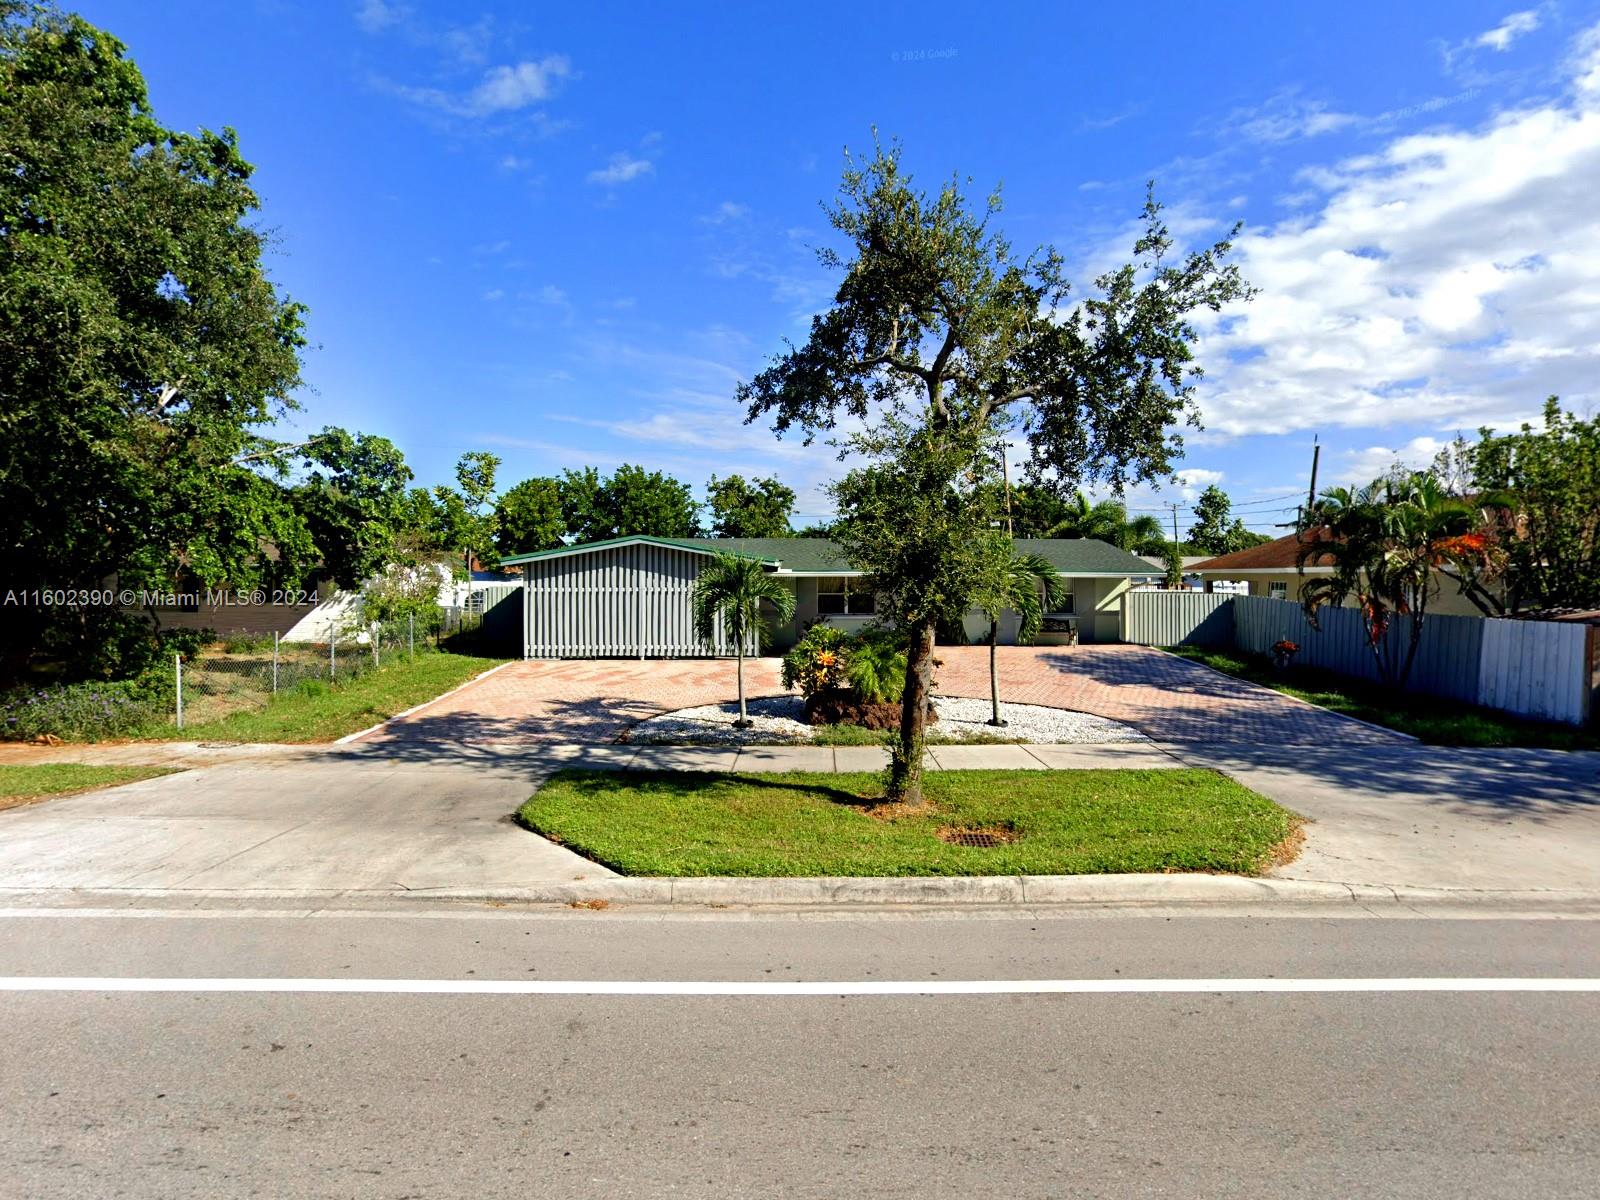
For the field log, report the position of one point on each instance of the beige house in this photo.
(1271, 570)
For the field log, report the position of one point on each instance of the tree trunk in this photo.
(905, 763)
(744, 721)
(994, 674)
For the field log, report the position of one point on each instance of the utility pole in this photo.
(1311, 495)
(1177, 546)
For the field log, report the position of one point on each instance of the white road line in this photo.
(919, 987)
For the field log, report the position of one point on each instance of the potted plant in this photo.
(1283, 652)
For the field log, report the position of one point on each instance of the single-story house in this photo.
(1272, 569)
(630, 597)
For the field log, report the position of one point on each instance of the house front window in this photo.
(1278, 591)
(1067, 606)
(842, 596)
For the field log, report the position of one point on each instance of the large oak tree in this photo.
(938, 336)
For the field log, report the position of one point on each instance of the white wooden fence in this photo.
(1541, 669)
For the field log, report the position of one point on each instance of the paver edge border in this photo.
(415, 708)
(1410, 737)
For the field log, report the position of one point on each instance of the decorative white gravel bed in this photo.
(777, 722)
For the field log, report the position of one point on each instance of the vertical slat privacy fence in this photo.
(1446, 662)
(1535, 667)
(628, 601)
(1531, 668)
(1178, 618)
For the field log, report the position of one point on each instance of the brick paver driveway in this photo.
(594, 700)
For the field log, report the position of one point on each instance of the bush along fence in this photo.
(1548, 670)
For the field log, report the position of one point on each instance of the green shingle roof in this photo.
(1070, 556)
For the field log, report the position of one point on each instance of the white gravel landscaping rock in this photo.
(777, 721)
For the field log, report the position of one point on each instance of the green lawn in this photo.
(1431, 719)
(317, 712)
(24, 784)
(1064, 823)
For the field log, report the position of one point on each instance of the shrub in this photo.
(877, 666)
(247, 643)
(818, 662)
(87, 712)
(312, 687)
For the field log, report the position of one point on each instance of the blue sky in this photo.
(564, 233)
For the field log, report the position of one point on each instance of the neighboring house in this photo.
(630, 597)
(1272, 569)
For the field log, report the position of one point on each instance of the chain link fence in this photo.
(245, 672)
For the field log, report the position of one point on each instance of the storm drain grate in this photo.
(983, 839)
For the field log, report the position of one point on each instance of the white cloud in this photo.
(494, 294)
(502, 89)
(727, 211)
(507, 88)
(1285, 117)
(1356, 467)
(1195, 479)
(623, 168)
(374, 16)
(1508, 31)
(1451, 278)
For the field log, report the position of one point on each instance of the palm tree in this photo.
(1386, 543)
(1030, 586)
(731, 588)
(1108, 521)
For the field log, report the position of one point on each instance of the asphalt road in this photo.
(1323, 1093)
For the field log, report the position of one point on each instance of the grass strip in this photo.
(24, 784)
(1087, 822)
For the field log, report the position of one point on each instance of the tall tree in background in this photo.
(1549, 481)
(1215, 529)
(355, 503)
(938, 341)
(466, 512)
(528, 517)
(746, 509)
(140, 343)
(632, 501)
(1108, 521)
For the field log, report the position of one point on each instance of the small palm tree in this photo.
(1030, 586)
(731, 588)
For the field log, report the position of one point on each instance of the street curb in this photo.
(994, 891)
(416, 708)
(1410, 737)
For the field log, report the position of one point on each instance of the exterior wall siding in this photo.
(623, 602)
